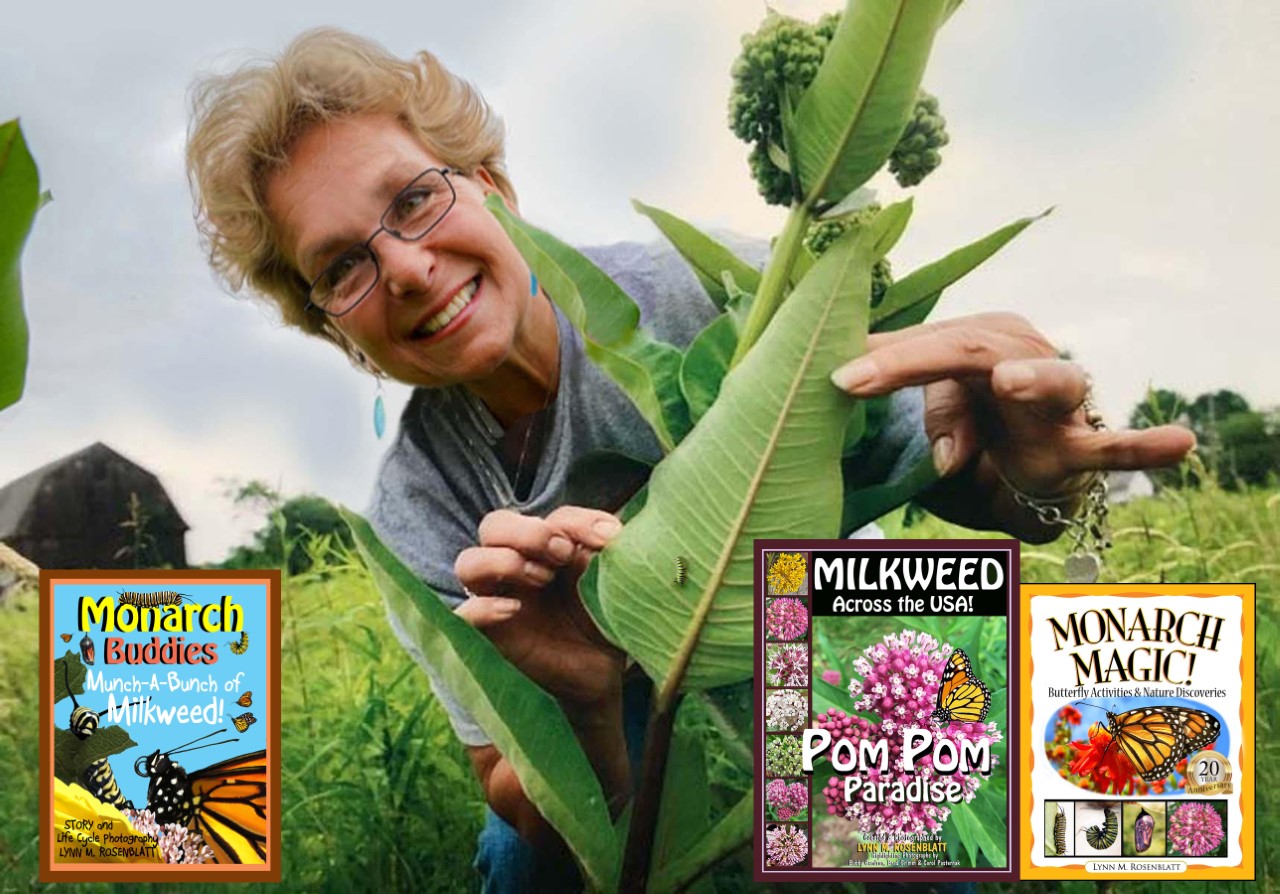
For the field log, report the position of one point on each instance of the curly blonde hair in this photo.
(243, 125)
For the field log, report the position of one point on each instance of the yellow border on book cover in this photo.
(1244, 773)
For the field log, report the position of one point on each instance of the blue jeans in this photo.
(508, 865)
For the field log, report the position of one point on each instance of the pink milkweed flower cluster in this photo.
(787, 800)
(177, 844)
(785, 845)
(786, 618)
(787, 665)
(900, 681)
(1195, 829)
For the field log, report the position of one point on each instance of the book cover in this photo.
(160, 725)
(1139, 714)
(884, 674)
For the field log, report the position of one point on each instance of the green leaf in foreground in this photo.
(646, 369)
(909, 300)
(726, 836)
(853, 113)
(709, 259)
(525, 723)
(19, 200)
(760, 463)
(105, 742)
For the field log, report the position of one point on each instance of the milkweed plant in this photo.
(823, 106)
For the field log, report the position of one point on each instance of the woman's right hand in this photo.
(524, 575)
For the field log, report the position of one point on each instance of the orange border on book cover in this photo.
(1248, 746)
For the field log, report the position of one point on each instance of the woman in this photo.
(347, 186)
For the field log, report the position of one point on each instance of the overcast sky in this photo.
(1149, 125)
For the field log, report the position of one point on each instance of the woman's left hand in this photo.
(1000, 403)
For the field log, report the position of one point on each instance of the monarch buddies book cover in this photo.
(884, 671)
(1139, 710)
(159, 725)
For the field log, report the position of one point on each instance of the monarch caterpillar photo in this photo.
(680, 571)
(1103, 835)
(226, 802)
(244, 721)
(962, 697)
(1060, 833)
(98, 777)
(245, 700)
(1156, 737)
(151, 600)
(241, 645)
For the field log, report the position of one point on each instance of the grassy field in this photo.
(379, 796)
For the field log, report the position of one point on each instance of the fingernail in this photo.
(607, 527)
(1019, 376)
(561, 548)
(855, 375)
(943, 452)
(506, 605)
(540, 573)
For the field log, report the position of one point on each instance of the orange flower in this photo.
(1106, 768)
(1070, 714)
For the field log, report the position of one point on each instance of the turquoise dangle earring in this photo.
(379, 412)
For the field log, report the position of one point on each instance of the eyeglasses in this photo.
(413, 213)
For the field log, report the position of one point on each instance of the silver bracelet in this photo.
(1090, 533)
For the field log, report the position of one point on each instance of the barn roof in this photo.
(17, 496)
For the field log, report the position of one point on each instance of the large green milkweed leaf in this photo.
(909, 300)
(853, 113)
(526, 724)
(19, 201)
(732, 831)
(646, 369)
(763, 462)
(709, 259)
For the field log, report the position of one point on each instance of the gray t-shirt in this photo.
(441, 475)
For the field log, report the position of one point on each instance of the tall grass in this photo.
(378, 795)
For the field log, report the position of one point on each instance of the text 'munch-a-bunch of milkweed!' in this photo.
(153, 767)
(922, 716)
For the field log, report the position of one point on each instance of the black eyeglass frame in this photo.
(394, 233)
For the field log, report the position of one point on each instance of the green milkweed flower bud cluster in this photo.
(824, 233)
(783, 56)
(916, 154)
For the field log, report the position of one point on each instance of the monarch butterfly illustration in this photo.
(226, 803)
(1144, 829)
(241, 645)
(1156, 737)
(245, 700)
(681, 570)
(151, 600)
(962, 697)
(66, 637)
(97, 777)
(1060, 833)
(243, 721)
(1103, 835)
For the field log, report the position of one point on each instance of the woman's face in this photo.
(331, 196)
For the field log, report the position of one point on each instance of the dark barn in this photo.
(92, 509)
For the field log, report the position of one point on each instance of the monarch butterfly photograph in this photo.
(878, 678)
(226, 802)
(66, 637)
(1137, 749)
(962, 697)
(245, 700)
(244, 721)
(241, 645)
(1103, 835)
